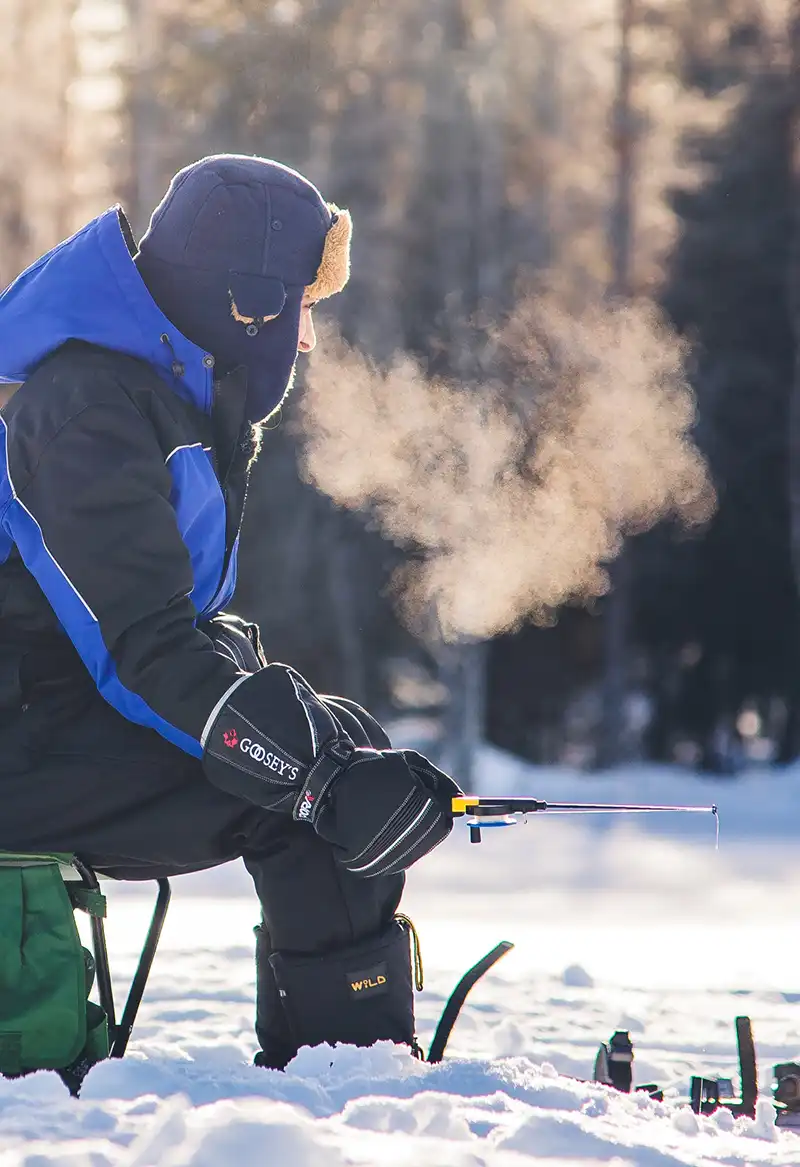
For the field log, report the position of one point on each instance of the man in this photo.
(139, 726)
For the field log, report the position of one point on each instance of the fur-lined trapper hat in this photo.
(231, 250)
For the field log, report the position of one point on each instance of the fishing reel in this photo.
(493, 812)
(786, 1093)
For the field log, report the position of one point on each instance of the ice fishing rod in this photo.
(490, 811)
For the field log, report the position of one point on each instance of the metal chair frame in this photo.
(119, 1032)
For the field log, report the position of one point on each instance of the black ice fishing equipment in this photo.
(491, 811)
(706, 1095)
(613, 1067)
(786, 1092)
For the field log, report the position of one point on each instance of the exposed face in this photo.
(307, 337)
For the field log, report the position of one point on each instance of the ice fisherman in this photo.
(140, 724)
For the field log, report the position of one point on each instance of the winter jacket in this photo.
(123, 480)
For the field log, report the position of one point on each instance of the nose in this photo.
(308, 338)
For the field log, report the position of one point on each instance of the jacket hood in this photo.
(88, 288)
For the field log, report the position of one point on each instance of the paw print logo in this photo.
(231, 738)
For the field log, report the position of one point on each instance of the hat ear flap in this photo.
(255, 297)
(334, 269)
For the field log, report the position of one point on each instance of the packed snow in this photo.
(636, 923)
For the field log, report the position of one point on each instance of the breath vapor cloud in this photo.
(513, 494)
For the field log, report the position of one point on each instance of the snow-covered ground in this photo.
(634, 923)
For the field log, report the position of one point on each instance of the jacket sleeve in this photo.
(89, 510)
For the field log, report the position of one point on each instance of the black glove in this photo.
(360, 726)
(388, 809)
(275, 742)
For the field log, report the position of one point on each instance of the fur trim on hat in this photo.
(236, 314)
(334, 269)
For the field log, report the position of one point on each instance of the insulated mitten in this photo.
(275, 742)
(360, 725)
(237, 639)
(389, 808)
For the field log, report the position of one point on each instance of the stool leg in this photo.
(122, 1032)
(102, 969)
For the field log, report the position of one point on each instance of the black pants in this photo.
(137, 807)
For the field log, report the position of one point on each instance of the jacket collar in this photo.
(88, 288)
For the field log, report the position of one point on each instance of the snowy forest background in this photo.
(557, 208)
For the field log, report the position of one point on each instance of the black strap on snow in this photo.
(748, 1069)
(458, 997)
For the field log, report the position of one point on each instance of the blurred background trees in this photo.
(640, 148)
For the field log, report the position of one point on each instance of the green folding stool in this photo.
(47, 1021)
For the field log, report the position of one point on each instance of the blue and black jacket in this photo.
(123, 472)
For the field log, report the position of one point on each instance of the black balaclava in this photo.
(229, 253)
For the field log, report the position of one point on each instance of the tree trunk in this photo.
(462, 669)
(471, 296)
(790, 743)
(144, 181)
(617, 604)
(794, 293)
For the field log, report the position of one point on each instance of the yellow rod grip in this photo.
(462, 803)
